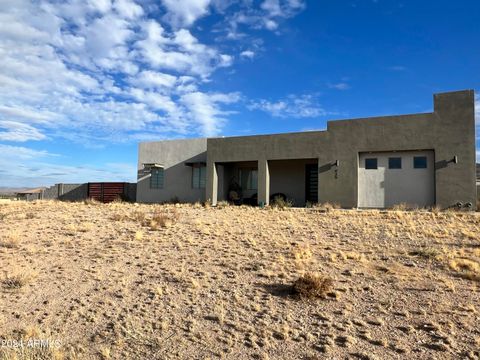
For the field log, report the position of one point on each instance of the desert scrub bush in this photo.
(85, 226)
(312, 285)
(9, 241)
(326, 206)
(138, 215)
(118, 217)
(222, 204)
(17, 280)
(400, 207)
(91, 201)
(162, 219)
(309, 204)
(280, 203)
(466, 268)
(436, 209)
(197, 205)
(427, 253)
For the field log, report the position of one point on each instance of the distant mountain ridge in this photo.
(4, 190)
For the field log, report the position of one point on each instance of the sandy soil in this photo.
(162, 282)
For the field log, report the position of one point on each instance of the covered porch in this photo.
(261, 181)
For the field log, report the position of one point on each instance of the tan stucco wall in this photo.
(172, 155)
(449, 131)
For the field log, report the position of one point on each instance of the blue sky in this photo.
(82, 82)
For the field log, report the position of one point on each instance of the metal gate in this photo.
(106, 192)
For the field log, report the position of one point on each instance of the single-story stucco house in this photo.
(422, 159)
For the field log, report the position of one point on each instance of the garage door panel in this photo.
(388, 186)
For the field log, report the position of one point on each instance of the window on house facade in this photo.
(419, 162)
(395, 163)
(199, 177)
(248, 179)
(156, 178)
(371, 164)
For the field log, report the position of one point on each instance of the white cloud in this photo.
(154, 80)
(127, 8)
(179, 52)
(15, 131)
(205, 110)
(267, 16)
(293, 106)
(185, 12)
(285, 9)
(25, 114)
(15, 153)
(113, 73)
(101, 71)
(339, 86)
(247, 54)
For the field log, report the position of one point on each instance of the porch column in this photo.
(212, 183)
(263, 182)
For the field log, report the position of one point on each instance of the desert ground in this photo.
(131, 281)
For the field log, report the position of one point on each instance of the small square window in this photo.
(371, 164)
(156, 178)
(395, 163)
(199, 177)
(419, 162)
(248, 178)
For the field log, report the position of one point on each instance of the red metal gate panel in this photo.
(106, 192)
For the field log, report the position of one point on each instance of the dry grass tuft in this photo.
(281, 203)
(400, 207)
(91, 201)
(10, 241)
(326, 206)
(465, 265)
(427, 253)
(138, 216)
(17, 280)
(32, 353)
(163, 219)
(118, 217)
(466, 268)
(312, 286)
(222, 204)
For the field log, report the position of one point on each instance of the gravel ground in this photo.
(137, 281)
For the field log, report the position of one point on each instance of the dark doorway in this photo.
(311, 183)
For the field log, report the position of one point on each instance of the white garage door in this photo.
(387, 179)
